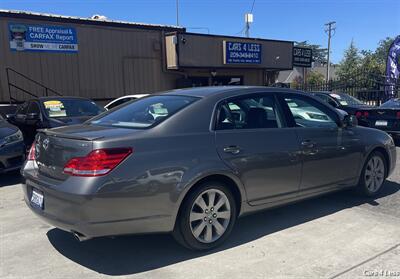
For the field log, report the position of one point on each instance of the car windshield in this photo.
(393, 103)
(144, 113)
(64, 107)
(345, 99)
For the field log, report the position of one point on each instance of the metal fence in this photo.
(368, 87)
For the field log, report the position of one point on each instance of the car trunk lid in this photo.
(55, 147)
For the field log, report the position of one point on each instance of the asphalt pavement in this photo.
(340, 235)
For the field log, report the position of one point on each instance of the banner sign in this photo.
(241, 53)
(392, 68)
(302, 57)
(27, 37)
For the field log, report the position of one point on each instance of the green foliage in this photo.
(319, 54)
(350, 63)
(297, 82)
(367, 61)
(315, 78)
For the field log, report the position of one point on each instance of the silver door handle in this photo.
(232, 149)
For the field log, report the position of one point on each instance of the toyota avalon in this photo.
(192, 161)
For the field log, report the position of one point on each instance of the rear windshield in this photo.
(144, 113)
(393, 103)
(57, 108)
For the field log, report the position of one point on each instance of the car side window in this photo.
(308, 113)
(33, 108)
(22, 109)
(327, 100)
(255, 112)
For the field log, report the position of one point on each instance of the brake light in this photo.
(360, 114)
(97, 163)
(32, 151)
(398, 115)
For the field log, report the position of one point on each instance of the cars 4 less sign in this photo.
(27, 37)
(241, 53)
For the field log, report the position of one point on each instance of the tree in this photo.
(350, 63)
(297, 82)
(315, 78)
(381, 52)
(374, 62)
(370, 63)
(319, 54)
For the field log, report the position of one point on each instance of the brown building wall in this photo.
(118, 59)
(110, 62)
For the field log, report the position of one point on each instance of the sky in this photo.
(365, 22)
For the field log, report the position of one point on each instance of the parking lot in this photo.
(335, 236)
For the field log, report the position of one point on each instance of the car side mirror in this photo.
(32, 116)
(350, 121)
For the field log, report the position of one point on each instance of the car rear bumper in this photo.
(93, 215)
(12, 157)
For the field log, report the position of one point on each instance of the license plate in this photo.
(37, 199)
(381, 123)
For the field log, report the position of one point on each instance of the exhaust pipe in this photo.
(80, 237)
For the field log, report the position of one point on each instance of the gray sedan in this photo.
(192, 161)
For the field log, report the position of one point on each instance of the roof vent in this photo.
(98, 17)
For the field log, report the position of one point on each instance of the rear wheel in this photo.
(207, 217)
(373, 175)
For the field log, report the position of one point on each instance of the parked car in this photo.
(217, 153)
(123, 100)
(12, 148)
(342, 101)
(50, 112)
(385, 117)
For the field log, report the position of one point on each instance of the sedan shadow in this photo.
(134, 254)
(9, 179)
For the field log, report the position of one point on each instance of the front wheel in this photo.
(373, 175)
(207, 217)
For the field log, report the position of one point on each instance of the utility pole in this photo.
(177, 12)
(248, 18)
(330, 26)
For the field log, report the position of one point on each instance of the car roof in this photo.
(328, 92)
(207, 91)
(60, 97)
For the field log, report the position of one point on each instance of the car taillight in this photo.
(32, 151)
(398, 115)
(360, 114)
(97, 163)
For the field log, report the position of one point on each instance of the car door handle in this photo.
(308, 144)
(232, 149)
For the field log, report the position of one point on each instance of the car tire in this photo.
(373, 175)
(207, 217)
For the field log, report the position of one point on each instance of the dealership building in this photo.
(102, 59)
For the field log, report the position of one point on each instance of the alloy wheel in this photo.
(374, 173)
(210, 215)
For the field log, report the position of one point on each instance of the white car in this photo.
(123, 99)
